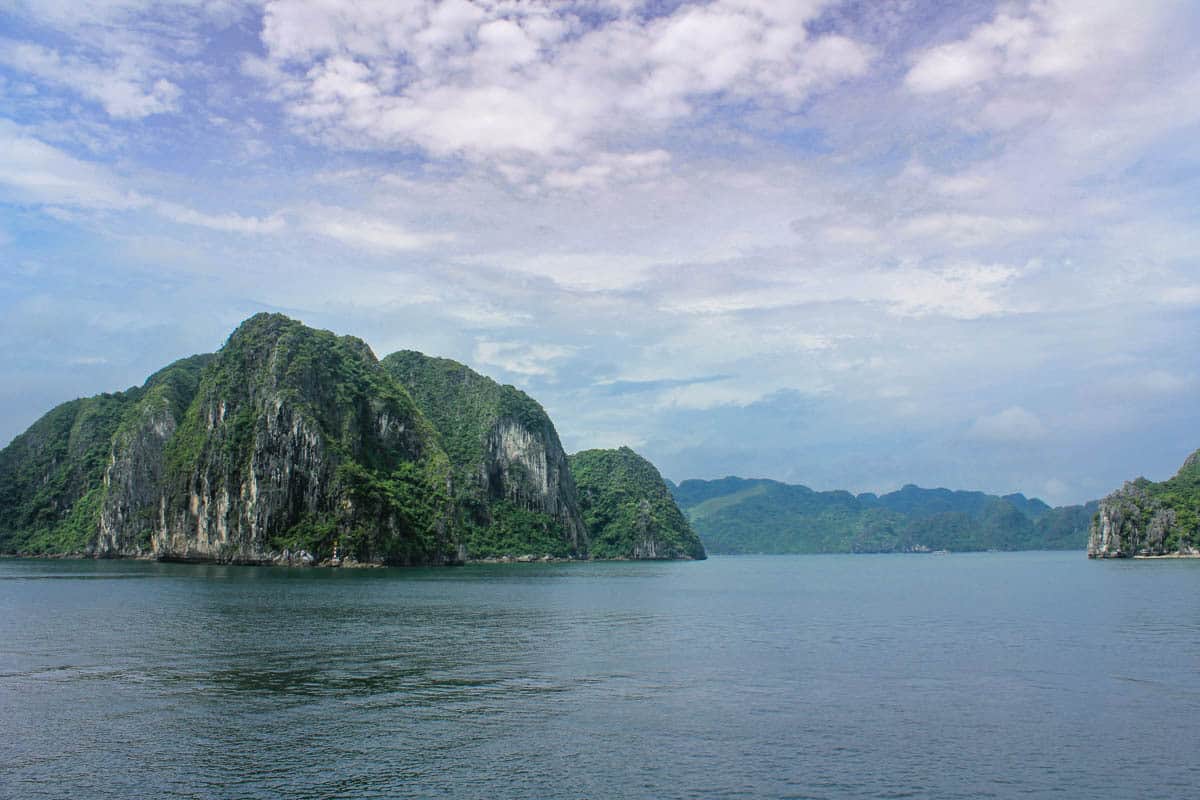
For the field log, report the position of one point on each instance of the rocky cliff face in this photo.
(289, 443)
(513, 484)
(1145, 519)
(529, 468)
(133, 481)
(298, 440)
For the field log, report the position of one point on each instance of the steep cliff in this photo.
(52, 477)
(132, 483)
(628, 508)
(287, 443)
(1144, 518)
(296, 440)
(512, 484)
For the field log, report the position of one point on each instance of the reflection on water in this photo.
(983, 675)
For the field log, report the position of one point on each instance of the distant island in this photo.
(297, 446)
(1145, 519)
(738, 515)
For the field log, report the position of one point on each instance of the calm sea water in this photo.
(965, 676)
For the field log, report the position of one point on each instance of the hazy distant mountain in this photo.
(739, 515)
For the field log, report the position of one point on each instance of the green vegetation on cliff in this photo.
(462, 404)
(289, 437)
(511, 482)
(313, 419)
(737, 515)
(292, 445)
(52, 475)
(1181, 494)
(628, 508)
(1151, 518)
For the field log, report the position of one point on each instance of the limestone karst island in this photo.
(296, 446)
(1148, 519)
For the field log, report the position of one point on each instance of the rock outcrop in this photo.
(133, 477)
(296, 440)
(1148, 519)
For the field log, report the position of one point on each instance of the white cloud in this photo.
(1131, 384)
(850, 234)
(1052, 39)
(967, 229)
(952, 66)
(606, 167)
(705, 396)
(368, 232)
(228, 223)
(964, 291)
(73, 16)
(1012, 425)
(728, 340)
(504, 82)
(35, 172)
(121, 86)
(521, 358)
(962, 184)
(128, 56)
(958, 290)
(1080, 86)
(1159, 381)
(480, 315)
(1181, 295)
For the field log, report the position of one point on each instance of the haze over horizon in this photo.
(850, 245)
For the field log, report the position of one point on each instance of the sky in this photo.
(850, 245)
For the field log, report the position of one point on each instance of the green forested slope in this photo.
(629, 509)
(737, 515)
(52, 475)
(512, 484)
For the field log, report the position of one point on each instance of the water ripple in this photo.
(995, 675)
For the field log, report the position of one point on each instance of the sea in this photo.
(988, 675)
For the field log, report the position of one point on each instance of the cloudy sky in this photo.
(850, 245)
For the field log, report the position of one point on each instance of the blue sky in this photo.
(851, 245)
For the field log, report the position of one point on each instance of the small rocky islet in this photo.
(1149, 519)
(293, 445)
